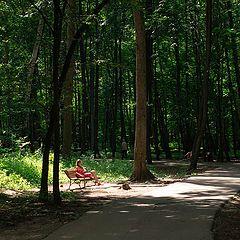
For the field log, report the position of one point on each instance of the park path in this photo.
(178, 211)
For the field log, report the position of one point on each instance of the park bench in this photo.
(71, 174)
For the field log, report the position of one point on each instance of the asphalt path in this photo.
(179, 211)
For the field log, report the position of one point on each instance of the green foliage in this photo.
(113, 170)
(109, 43)
(20, 172)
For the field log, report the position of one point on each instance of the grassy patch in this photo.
(18, 172)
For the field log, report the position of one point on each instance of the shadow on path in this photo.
(179, 211)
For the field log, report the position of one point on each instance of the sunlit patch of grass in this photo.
(113, 170)
(23, 172)
(109, 170)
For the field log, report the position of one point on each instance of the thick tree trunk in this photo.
(68, 86)
(141, 173)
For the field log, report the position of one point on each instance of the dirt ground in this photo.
(226, 225)
(24, 218)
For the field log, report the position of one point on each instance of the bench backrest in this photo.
(71, 173)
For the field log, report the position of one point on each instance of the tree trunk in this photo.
(202, 118)
(33, 117)
(234, 47)
(233, 105)
(96, 103)
(141, 173)
(121, 98)
(43, 195)
(57, 34)
(149, 82)
(84, 113)
(68, 86)
(91, 95)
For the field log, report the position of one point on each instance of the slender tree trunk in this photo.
(57, 34)
(91, 95)
(149, 82)
(96, 119)
(96, 103)
(121, 98)
(43, 195)
(84, 113)
(54, 117)
(202, 118)
(234, 47)
(233, 105)
(155, 109)
(178, 89)
(33, 118)
(163, 130)
(220, 124)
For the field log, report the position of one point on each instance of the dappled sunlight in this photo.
(183, 209)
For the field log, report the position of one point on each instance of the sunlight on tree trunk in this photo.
(141, 173)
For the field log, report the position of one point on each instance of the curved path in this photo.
(179, 211)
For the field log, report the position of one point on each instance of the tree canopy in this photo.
(192, 48)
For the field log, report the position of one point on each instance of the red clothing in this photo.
(80, 173)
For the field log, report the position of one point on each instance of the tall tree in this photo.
(58, 81)
(33, 118)
(141, 171)
(202, 118)
(149, 82)
(68, 86)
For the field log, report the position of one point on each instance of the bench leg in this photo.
(70, 183)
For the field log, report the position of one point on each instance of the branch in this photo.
(42, 14)
(76, 37)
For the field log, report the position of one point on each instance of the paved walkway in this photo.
(179, 211)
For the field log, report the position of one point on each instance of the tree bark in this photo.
(68, 86)
(141, 172)
(43, 195)
(202, 118)
(149, 82)
(33, 117)
(234, 48)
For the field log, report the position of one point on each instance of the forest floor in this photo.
(226, 223)
(24, 218)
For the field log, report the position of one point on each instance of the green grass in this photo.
(18, 172)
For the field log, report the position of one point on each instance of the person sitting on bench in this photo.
(83, 173)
